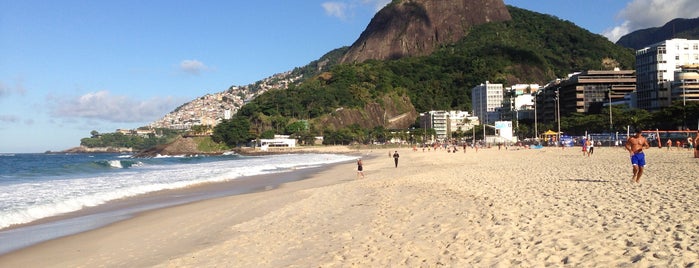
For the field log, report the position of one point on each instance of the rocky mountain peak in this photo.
(416, 27)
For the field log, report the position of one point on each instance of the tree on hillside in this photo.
(233, 132)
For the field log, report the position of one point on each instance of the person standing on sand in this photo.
(590, 147)
(360, 169)
(635, 145)
(395, 158)
(669, 144)
(696, 145)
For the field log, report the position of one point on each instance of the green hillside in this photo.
(532, 48)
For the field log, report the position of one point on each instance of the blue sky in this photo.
(70, 67)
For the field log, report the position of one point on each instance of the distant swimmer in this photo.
(635, 145)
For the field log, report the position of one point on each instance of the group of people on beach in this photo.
(690, 144)
(634, 145)
(360, 165)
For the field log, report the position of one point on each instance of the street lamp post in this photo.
(610, 109)
(536, 123)
(484, 109)
(558, 114)
(684, 105)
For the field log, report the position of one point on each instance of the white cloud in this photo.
(335, 9)
(102, 105)
(641, 14)
(194, 67)
(378, 4)
(344, 10)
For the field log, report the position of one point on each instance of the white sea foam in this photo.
(115, 164)
(29, 201)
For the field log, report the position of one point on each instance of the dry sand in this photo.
(491, 208)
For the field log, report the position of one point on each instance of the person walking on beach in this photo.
(590, 147)
(360, 168)
(395, 158)
(635, 145)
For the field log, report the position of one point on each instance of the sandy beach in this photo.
(491, 208)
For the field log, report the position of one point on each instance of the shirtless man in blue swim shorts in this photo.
(635, 145)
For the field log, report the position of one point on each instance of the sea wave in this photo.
(29, 201)
(119, 163)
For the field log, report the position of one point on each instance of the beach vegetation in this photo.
(136, 142)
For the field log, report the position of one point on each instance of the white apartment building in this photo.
(518, 102)
(446, 122)
(655, 70)
(486, 99)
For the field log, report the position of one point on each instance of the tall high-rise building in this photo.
(655, 70)
(486, 99)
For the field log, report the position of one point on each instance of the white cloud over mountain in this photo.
(641, 14)
(345, 9)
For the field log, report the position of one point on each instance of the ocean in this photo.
(36, 187)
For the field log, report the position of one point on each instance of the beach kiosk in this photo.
(266, 144)
(550, 136)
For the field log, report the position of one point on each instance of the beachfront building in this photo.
(685, 86)
(584, 92)
(436, 120)
(656, 66)
(446, 122)
(518, 102)
(279, 142)
(486, 100)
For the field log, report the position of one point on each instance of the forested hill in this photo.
(531, 48)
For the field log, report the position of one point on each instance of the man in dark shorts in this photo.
(635, 145)
(395, 158)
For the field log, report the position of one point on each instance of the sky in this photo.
(73, 66)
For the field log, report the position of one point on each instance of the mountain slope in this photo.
(530, 48)
(418, 27)
(677, 28)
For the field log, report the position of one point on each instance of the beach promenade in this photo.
(491, 208)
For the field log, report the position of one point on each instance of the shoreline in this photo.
(25, 235)
(547, 207)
